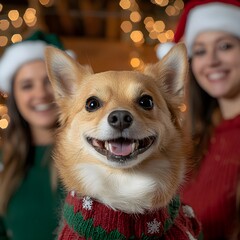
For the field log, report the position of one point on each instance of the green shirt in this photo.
(34, 210)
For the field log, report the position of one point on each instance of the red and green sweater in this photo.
(85, 218)
(212, 193)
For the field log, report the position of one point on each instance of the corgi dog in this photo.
(121, 151)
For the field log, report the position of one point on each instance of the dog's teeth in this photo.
(136, 145)
(106, 145)
(133, 146)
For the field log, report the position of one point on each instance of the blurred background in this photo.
(107, 34)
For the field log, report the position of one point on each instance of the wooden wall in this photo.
(105, 55)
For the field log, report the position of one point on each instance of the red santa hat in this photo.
(205, 15)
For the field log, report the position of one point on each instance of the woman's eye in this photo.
(146, 102)
(27, 86)
(225, 46)
(199, 52)
(92, 104)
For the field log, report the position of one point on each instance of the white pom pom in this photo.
(163, 49)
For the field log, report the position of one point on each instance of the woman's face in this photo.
(34, 95)
(216, 64)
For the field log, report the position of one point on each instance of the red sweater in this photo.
(88, 219)
(212, 194)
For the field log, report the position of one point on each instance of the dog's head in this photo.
(120, 125)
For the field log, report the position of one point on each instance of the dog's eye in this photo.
(146, 102)
(92, 104)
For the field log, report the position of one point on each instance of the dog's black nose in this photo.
(120, 119)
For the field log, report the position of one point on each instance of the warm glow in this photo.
(126, 26)
(46, 3)
(6, 116)
(16, 38)
(13, 15)
(3, 110)
(3, 123)
(136, 36)
(149, 25)
(125, 4)
(33, 23)
(179, 4)
(171, 11)
(148, 19)
(1, 7)
(4, 24)
(135, 16)
(153, 35)
(162, 38)
(135, 62)
(18, 23)
(169, 34)
(3, 41)
(159, 26)
(162, 3)
(29, 15)
(183, 107)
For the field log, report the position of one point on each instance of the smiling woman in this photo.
(29, 189)
(212, 36)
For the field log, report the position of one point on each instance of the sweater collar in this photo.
(89, 217)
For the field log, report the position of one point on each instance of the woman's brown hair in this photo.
(17, 154)
(203, 115)
(16, 159)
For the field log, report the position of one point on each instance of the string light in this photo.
(47, 3)
(16, 38)
(135, 62)
(3, 41)
(126, 26)
(18, 23)
(125, 4)
(4, 24)
(3, 110)
(13, 15)
(135, 16)
(169, 34)
(3, 123)
(136, 36)
(159, 26)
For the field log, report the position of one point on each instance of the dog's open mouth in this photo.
(121, 149)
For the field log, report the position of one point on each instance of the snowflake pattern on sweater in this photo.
(85, 218)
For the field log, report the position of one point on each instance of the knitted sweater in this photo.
(85, 218)
(212, 194)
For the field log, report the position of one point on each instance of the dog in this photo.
(121, 151)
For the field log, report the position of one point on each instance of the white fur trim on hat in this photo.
(15, 56)
(163, 49)
(18, 54)
(213, 16)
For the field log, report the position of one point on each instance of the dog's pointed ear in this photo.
(171, 72)
(63, 72)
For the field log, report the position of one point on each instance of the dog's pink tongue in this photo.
(120, 149)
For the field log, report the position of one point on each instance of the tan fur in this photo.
(153, 178)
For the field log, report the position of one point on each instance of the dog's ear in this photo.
(63, 72)
(171, 72)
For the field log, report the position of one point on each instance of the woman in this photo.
(29, 190)
(212, 36)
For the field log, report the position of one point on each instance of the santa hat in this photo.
(204, 15)
(19, 53)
